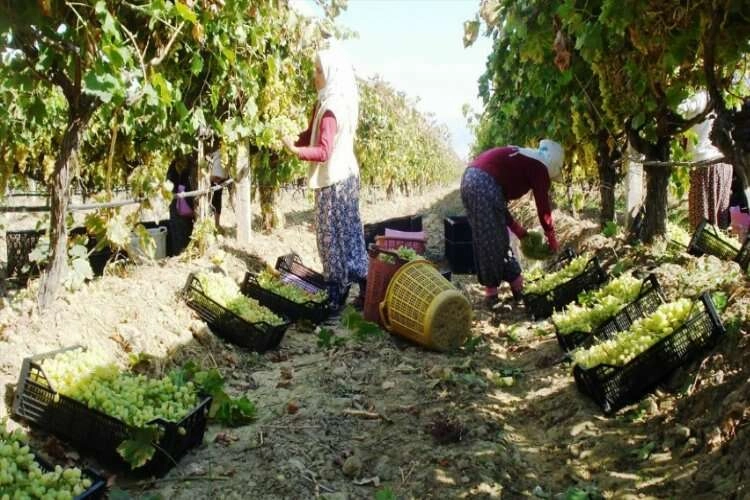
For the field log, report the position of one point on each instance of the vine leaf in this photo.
(139, 448)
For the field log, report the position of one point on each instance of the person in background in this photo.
(218, 175)
(181, 210)
(493, 178)
(710, 187)
(328, 144)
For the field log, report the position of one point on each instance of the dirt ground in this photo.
(382, 418)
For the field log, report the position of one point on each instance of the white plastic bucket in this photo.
(159, 234)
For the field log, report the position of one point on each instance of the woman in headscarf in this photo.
(328, 144)
(489, 182)
(710, 187)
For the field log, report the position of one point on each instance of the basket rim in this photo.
(401, 269)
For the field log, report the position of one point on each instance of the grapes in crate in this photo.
(597, 306)
(225, 292)
(135, 399)
(642, 334)
(22, 477)
(404, 253)
(550, 281)
(271, 282)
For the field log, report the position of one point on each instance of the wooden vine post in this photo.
(242, 197)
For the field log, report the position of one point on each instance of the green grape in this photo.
(598, 307)
(408, 254)
(387, 258)
(271, 282)
(642, 334)
(533, 246)
(549, 281)
(676, 233)
(134, 399)
(22, 477)
(225, 292)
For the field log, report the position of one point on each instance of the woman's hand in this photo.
(289, 144)
(554, 246)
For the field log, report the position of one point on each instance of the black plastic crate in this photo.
(561, 260)
(541, 305)
(37, 402)
(460, 256)
(613, 387)
(705, 240)
(310, 280)
(310, 310)
(19, 245)
(648, 300)
(457, 228)
(259, 337)
(98, 259)
(405, 223)
(98, 484)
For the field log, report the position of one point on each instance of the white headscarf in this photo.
(550, 153)
(339, 95)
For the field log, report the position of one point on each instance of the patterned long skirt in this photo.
(485, 208)
(708, 198)
(338, 228)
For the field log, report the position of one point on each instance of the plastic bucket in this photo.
(424, 307)
(159, 234)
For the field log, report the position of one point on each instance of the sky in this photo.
(417, 46)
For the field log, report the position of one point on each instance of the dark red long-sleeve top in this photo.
(517, 175)
(322, 151)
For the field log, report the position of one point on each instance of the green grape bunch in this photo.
(549, 281)
(225, 292)
(642, 335)
(135, 399)
(408, 254)
(533, 246)
(598, 307)
(22, 478)
(271, 282)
